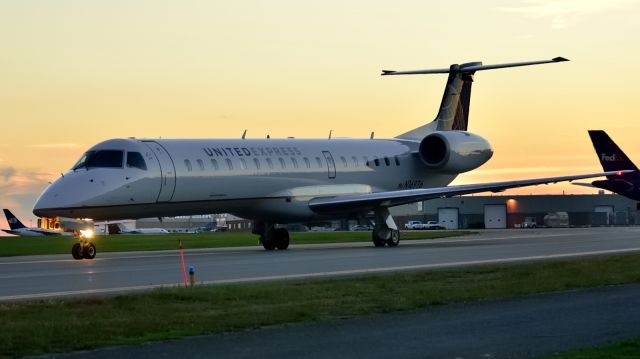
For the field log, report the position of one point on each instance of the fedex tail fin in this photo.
(454, 108)
(609, 154)
(14, 222)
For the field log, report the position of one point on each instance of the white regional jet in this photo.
(19, 229)
(121, 228)
(279, 181)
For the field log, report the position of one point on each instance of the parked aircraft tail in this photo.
(454, 107)
(14, 222)
(611, 157)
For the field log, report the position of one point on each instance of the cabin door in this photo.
(331, 165)
(167, 171)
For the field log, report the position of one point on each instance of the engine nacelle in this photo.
(454, 151)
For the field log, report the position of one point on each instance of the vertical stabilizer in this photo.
(14, 222)
(611, 157)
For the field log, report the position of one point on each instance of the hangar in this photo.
(514, 211)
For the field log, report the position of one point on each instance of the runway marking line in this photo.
(310, 275)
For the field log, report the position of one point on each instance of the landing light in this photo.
(87, 233)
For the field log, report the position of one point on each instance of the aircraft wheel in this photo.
(378, 239)
(395, 238)
(89, 251)
(282, 238)
(268, 242)
(76, 251)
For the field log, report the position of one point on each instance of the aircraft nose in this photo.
(45, 203)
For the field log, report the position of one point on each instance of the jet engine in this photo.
(454, 151)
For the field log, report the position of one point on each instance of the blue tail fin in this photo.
(611, 157)
(14, 222)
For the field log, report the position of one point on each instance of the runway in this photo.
(35, 277)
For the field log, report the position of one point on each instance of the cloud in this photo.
(565, 13)
(7, 172)
(58, 145)
(19, 189)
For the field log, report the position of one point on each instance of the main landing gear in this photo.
(83, 250)
(271, 237)
(385, 231)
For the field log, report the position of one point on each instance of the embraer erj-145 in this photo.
(120, 228)
(19, 229)
(279, 181)
(611, 157)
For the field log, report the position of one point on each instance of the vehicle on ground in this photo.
(432, 225)
(361, 227)
(529, 222)
(414, 225)
(279, 181)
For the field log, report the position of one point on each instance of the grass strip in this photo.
(628, 349)
(20, 246)
(64, 325)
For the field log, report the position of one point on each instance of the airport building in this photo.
(519, 211)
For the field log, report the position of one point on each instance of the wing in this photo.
(367, 201)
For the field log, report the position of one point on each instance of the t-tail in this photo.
(454, 108)
(611, 157)
(14, 222)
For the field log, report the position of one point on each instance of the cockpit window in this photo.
(135, 160)
(100, 159)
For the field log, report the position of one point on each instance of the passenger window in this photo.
(306, 162)
(366, 160)
(344, 161)
(397, 161)
(243, 164)
(214, 163)
(187, 164)
(200, 164)
(387, 162)
(282, 164)
(295, 162)
(229, 164)
(270, 163)
(319, 162)
(376, 161)
(355, 161)
(257, 163)
(135, 160)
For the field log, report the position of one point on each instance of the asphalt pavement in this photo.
(34, 277)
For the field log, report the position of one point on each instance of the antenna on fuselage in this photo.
(244, 134)
(372, 133)
(330, 132)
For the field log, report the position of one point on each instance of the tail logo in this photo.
(12, 221)
(613, 158)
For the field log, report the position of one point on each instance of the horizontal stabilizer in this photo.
(471, 67)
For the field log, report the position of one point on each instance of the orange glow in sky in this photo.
(75, 73)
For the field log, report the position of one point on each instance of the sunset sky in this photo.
(73, 73)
